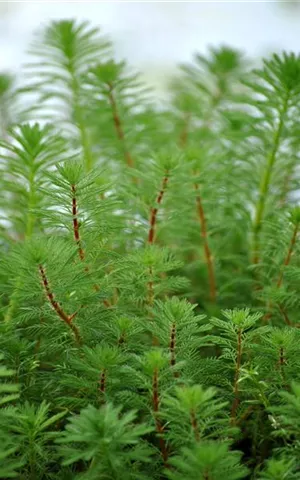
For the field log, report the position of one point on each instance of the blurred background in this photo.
(155, 36)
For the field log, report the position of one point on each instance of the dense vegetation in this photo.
(150, 269)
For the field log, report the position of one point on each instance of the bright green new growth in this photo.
(149, 267)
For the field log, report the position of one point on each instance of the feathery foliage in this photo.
(149, 266)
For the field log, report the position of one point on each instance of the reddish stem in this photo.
(184, 133)
(76, 227)
(151, 239)
(103, 381)
(281, 356)
(57, 308)
(207, 251)
(76, 224)
(118, 125)
(154, 210)
(194, 424)
(245, 415)
(159, 428)
(172, 347)
(150, 288)
(236, 400)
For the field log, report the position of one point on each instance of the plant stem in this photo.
(159, 428)
(185, 130)
(118, 125)
(236, 400)
(154, 210)
(150, 288)
(57, 308)
(103, 381)
(265, 182)
(77, 238)
(172, 345)
(151, 239)
(194, 424)
(76, 224)
(207, 251)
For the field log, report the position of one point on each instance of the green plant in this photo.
(150, 266)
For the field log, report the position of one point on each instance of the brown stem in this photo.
(194, 424)
(76, 224)
(245, 415)
(118, 125)
(281, 357)
(57, 308)
(236, 400)
(282, 362)
(172, 347)
(159, 428)
(154, 210)
(76, 227)
(150, 288)
(184, 133)
(103, 381)
(207, 251)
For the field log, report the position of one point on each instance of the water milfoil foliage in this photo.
(150, 268)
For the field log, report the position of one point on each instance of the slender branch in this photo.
(76, 223)
(118, 125)
(172, 347)
(194, 424)
(207, 251)
(154, 210)
(245, 415)
(236, 399)
(151, 239)
(150, 288)
(159, 428)
(281, 357)
(285, 189)
(201, 214)
(57, 308)
(77, 238)
(103, 381)
(265, 182)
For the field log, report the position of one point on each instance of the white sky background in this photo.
(154, 37)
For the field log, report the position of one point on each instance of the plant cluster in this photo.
(150, 266)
